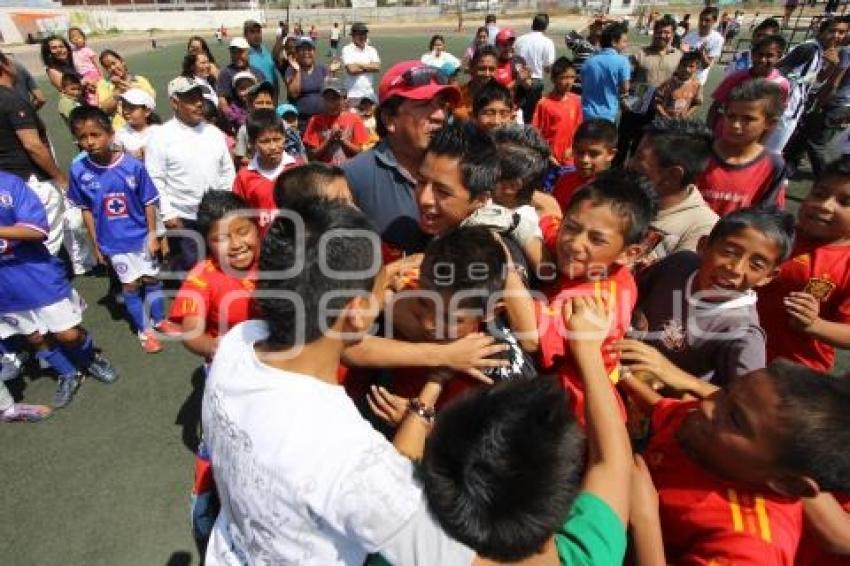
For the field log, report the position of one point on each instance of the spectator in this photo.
(559, 114)
(437, 56)
(334, 136)
(651, 66)
(512, 70)
(259, 56)
(304, 80)
(84, 57)
(743, 60)
(539, 54)
(198, 45)
(492, 28)
(333, 50)
(361, 63)
(383, 179)
(186, 158)
(680, 95)
(57, 59)
(239, 56)
(26, 86)
(605, 76)
(197, 66)
(706, 40)
(117, 81)
(282, 30)
(480, 40)
(482, 69)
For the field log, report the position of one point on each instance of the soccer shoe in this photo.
(65, 390)
(102, 369)
(11, 365)
(23, 413)
(149, 341)
(168, 328)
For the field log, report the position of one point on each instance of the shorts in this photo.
(133, 265)
(58, 317)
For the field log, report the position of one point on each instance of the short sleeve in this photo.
(145, 85)
(740, 356)
(147, 190)
(29, 211)
(20, 114)
(346, 56)
(592, 534)
(716, 47)
(75, 193)
(192, 299)
(241, 149)
(359, 135)
(311, 133)
(625, 69)
(26, 77)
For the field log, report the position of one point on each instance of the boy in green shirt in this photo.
(71, 95)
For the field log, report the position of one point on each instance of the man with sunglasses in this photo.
(414, 104)
(362, 63)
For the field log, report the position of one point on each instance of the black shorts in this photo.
(334, 43)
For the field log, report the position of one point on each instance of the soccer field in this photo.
(106, 481)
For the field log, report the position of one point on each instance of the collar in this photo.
(384, 154)
(693, 200)
(736, 300)
(649, 49)
(271, 174)
(609, 50)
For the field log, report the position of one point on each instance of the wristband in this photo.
(424, 412)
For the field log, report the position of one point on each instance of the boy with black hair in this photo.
(255, 183)
(334, 135)
(672, 154)
(36, 299)
(517, 438)
(523, 161)
(742, 172)
(743, 60)
(605, 75)
(696, 317)
(594, 247)
(681, 94)
(71, 94)
(806, 309)
(260, 97)
(731, 469)
(706, 41)
(493, 106)
(272, 397)
(594, 148)
(309, 181)
(558, 115)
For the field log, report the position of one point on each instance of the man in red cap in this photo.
(414, 102)
(512, 70)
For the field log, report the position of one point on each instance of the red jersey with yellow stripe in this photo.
(620, 292)
(221, 299)
(710, 521)
(821, 270)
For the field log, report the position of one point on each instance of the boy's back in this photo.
(727, 187)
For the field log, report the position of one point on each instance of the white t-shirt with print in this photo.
(302, 478)
(362, 84)
(713, 43)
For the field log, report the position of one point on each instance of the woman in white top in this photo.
(438, 56)
(197, 66)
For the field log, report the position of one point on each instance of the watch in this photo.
(424, 412)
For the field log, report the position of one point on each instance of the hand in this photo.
(472, 352)
(803, 310)
(293, 62)
(61, 182)
(164, 248)
(99, 257)
(154, 246)
(587, 322)
(831, 56)
(639, 357)
(388, 407)
(643, 500)
(173, 223)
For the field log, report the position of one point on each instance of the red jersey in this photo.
(223, 300)
(566, 186)
(726, 187)
(812, 552)
(823, 271)
(558, 119)
(707, 520)
(257, 188)
(319, 129)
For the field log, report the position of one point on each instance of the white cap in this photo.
(182, 85)
(243, 75)
(138, 97)
(239, 43)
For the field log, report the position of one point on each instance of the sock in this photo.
(81, 354)
(135, 308)
(56, 358)
(154, 297)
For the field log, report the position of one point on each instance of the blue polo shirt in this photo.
(262, 59)
(601, 77)
(386, 193)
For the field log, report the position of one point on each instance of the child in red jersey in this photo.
(594, 147)
(599, 238)
(806, 309)
(216, 294)
(731, 469)
(558, 115)
(335, 135)
(742, 172)
(255, 183)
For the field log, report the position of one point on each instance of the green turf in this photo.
(106, 481)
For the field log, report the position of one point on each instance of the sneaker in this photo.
(11, 365)
(65, 390)
(150, 343)
(169, 329)
(101, 369)
(23, 413)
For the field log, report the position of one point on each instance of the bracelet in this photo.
(424, 412)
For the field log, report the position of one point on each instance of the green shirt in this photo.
(592, 535)
(66, 104)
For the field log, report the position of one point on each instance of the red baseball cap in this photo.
(416, 81)
(505, 36)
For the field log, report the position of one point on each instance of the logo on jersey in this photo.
(6, 200)
(115, 206)
(86, 177)
(131, 182)
(673, 335)
(120, 267)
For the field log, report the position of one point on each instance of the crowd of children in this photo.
(590, 364)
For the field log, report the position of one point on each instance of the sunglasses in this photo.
(420, 76)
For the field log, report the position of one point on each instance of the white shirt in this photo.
(362, 84)
(432, 60)
(133, 140)
(335, 34)
(538, 52)
(713, 43)
(185, 162)
(302, 478)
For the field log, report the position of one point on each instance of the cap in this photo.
(505, 36)
(396, 82)
(359, 27)
(367, 98)
(334, 84)
(243, 75)
(251, 24)
(305, 42)
(138, 97)
(264, 85)
(239, 43)
(284, 109)
(182, 85)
